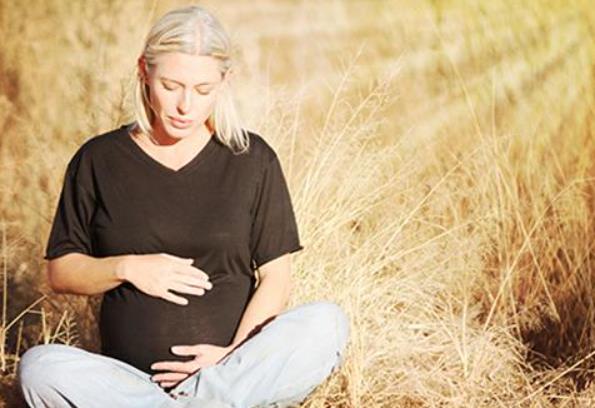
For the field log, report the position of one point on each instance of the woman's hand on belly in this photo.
(157, 274)
(204, 355)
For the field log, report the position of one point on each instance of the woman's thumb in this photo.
(179, 259)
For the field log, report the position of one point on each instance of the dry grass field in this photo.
(441, 159)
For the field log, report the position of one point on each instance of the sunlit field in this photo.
(441, 161)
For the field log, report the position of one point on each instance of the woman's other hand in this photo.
(158, 274)
(205, 355)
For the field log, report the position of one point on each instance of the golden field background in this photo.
(440, 156)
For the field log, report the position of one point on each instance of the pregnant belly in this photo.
(140, 329)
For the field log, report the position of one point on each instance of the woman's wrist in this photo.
(121, 267)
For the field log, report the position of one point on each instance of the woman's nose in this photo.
(185, 101)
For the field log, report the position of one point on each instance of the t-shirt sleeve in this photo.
(70, 231)
(274, 230)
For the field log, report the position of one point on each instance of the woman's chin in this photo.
(178, 133)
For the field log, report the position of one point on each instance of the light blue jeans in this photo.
(279, 366)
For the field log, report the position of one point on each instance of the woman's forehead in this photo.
(193, 69)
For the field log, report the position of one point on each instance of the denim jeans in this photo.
(277, 367)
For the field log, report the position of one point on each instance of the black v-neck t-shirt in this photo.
(229, 212)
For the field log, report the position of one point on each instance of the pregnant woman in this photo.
(184, 222)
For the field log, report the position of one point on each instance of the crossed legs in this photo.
(277, 367)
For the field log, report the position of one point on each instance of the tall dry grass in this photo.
(440, 158)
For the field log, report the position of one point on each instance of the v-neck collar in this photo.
(160, 167)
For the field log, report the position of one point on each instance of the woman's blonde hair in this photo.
(178, 31)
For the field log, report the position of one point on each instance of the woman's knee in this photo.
(325, 314)
(327, 320)
(38, 365)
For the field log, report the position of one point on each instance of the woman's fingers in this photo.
(169, 377)
(184, 279)
(184, 367)
(174, 298)
(183, 288)
(192, 271)
(165, 384)
(193, 281)
(188, 261)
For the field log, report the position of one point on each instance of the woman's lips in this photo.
(179, 122)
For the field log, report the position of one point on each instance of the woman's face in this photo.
(182, 91)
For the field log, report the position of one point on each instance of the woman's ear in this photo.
(142, 68)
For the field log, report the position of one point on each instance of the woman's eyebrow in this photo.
(180, 83)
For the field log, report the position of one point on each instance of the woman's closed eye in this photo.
(201, 91)
(170, 87)
(204, 91)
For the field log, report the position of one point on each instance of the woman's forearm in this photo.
(269, 299)
(82, 274)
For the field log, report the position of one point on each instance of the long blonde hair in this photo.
(178, 31)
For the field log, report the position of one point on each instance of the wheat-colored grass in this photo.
(440, 156)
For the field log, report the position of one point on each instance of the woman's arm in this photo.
(83, 274)
(270, 297)
(153, 274)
